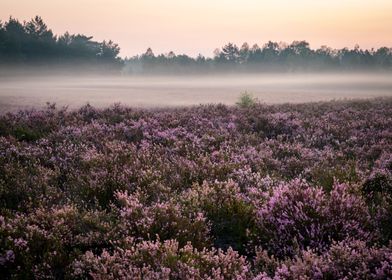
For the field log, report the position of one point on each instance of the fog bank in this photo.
(162, 91)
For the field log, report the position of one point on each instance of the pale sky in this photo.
(199, 26)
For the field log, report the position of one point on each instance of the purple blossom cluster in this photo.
(206, 192)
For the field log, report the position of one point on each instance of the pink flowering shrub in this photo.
(230, 215)
(45, 242)
(162, 260)
(377, 189)
(165, 220)
(344, 260)
(204, 192)
(297, 216)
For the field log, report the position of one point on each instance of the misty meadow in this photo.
(263, 161)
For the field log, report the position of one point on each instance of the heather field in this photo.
(251, 191)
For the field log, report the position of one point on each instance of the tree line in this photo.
(32, 43)
(272, 56)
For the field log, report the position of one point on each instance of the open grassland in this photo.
(205, 192)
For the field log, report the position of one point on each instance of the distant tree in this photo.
(109, 51)
(231, 53)
(301, 48)
(183, 60)
(200, 59)
(219, 57)
(149, 53)
(255, 48)
(244, 53)
(299, 54)
(383, 57)
(41, 43)
(171, 55)
(38, 29)
(65, 39)
(270, 52)
(82, 47)
(255, 55)
(2, 39)
(33, 41)
(350, 58)
(326, 58)
(15, 39)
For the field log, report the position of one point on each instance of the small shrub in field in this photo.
(246, 100)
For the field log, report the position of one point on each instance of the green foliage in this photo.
(246, 100)
(231, 217)
(34, 42)
(326, 175)
(272, 56)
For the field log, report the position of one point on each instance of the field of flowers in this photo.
(205, 192)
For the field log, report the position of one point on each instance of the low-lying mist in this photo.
(75, 90)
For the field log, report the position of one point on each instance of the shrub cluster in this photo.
(206, 192)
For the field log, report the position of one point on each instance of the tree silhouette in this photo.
(272, 56)
(34, 42)
(231, 53)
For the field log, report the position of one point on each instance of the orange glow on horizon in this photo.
(194, 27)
